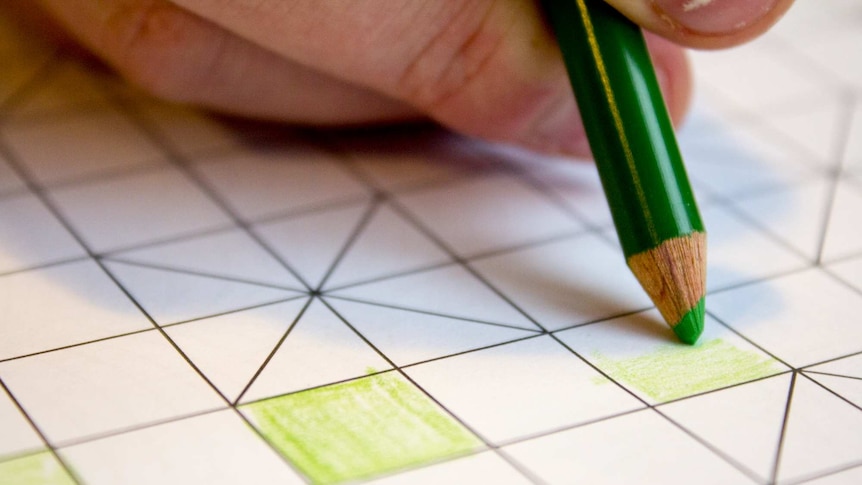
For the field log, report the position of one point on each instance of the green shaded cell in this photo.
(37, 469)
(677, 371)
(360, 428)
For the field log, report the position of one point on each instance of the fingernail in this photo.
(713, 16)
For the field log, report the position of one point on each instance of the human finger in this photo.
(706, 24)
(179, 56)
(486, 68)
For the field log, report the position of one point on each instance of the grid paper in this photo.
(188, 299)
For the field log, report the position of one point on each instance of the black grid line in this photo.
(182, 162)
(783, 434)
(830, 390)
(524, 471)
(42, 436)
(40, 192)
(825, 473)
(273, 351)
(455, 256)
(202, 274)
(431, 313)
(816, 373)
(837, 162)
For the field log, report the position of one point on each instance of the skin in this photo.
(485, 68)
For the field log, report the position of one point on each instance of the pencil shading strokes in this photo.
(672, 372)
(359, 428)
(37, 469)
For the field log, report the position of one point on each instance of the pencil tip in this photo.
(690, 326)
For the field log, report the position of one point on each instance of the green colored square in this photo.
(360, 428)
(678, 371)
(36, 469)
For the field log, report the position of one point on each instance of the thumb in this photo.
(706, 24)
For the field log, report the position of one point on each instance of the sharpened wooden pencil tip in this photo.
(674, 276)
(689, 328)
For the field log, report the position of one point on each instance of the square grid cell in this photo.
(189, 299)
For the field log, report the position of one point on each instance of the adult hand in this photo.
(486, 68)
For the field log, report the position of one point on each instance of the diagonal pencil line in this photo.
(786, 410)
(753, 343)
(405, 213)
(355, 234)
(808, 266)
(838, 159)
(731, 386)
(454, 257)
(831, 374)
(431, 313)
(256, 306)
(825, 473)
(202, 274)
(45, 265)
(42, 436)
(773, 475)
(103, 175)
(40, 192)
(831, 359)
(655, 408)
(272, 352)
(733, 207)
(470, 351)
(251, 402)
(709, 446)
(562, 236)
(77, 344)
(310, 210)
(178, 161)
(828, 389)
(404, 375)
(389, 276)
(843, 282)
(138, 426)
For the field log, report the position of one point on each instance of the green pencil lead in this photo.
(690, 326)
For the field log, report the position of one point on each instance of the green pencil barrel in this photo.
(628, 127)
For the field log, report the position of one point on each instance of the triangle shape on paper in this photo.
(170, 297)
(408, 337)
(387, 245)
(311, 243)
(848, 366)
(449, 291)
(229, 349)
(849, 388)
(320, 349)
(823, 433)
(744, 422)
(230, 254)
(795, 215)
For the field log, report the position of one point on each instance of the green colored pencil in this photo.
(639, 163)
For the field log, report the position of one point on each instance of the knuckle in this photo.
(454, 58)
(149, 42)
